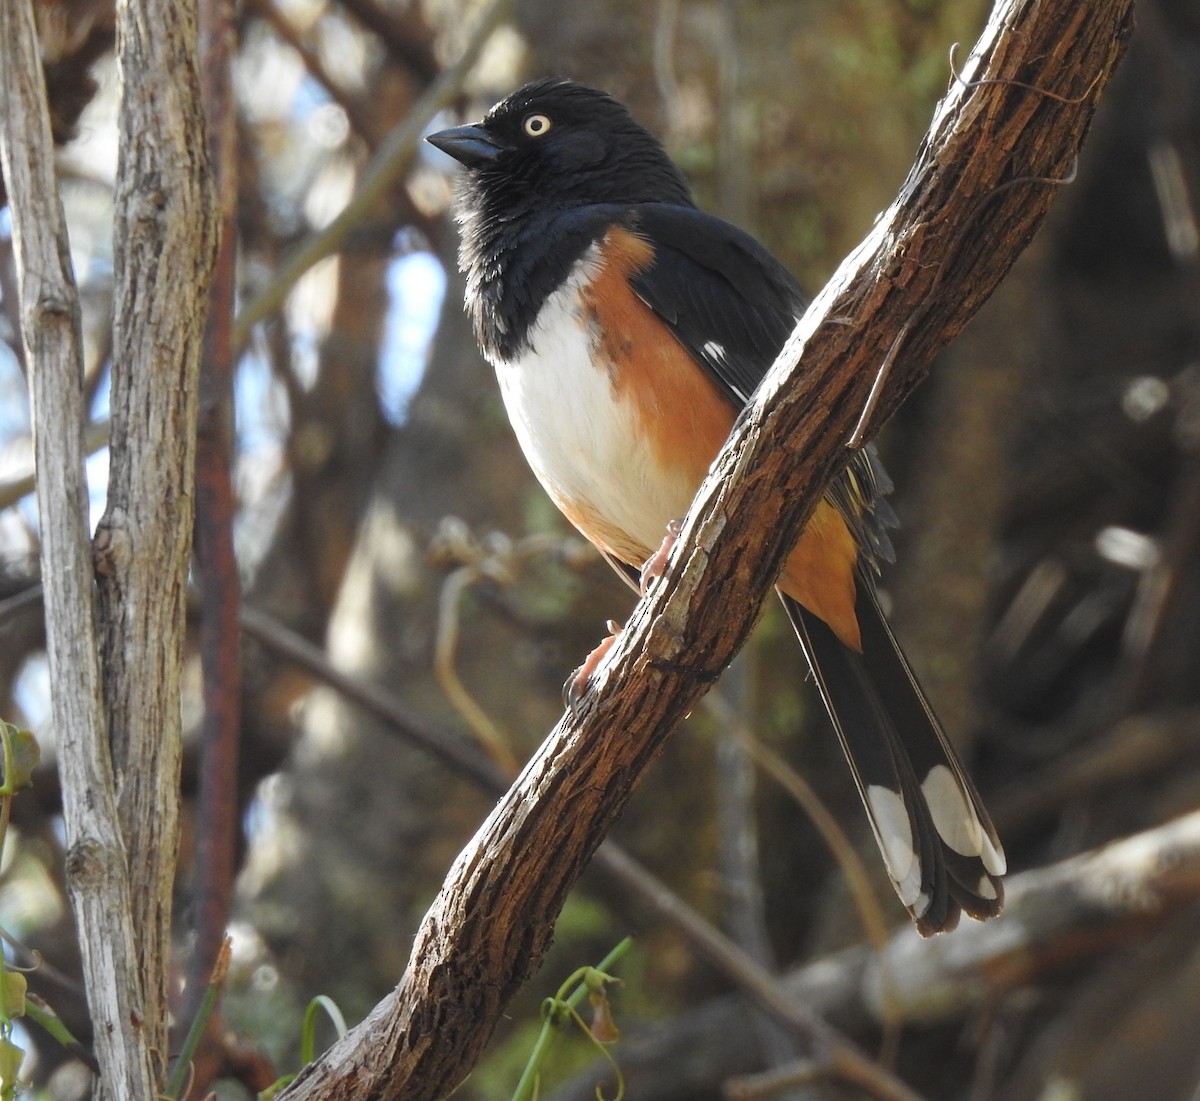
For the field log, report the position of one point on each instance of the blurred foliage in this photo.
(1048, 484)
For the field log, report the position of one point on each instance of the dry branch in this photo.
(975, 196)
(215, 570)
(164, 238)
(97, 874)
(1056, 919)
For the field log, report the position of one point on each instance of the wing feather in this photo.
(732, 305)
(724, 296)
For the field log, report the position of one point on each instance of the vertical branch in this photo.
(216, 567)
(97, 874)
(164, 234)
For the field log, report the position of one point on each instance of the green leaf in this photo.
(12, 994)
(308, 1033)
(22, 756)
(11, 1057)
(276, 1087)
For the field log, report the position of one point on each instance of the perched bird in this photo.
(627, 329)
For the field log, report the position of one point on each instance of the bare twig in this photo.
(770, 1083)
(455, 753)
(1157, 606)
(95, 437)
(360, 121)
(1138, 746)
(496, 744)
(858, 879)
(216, 572)
(403, 32)
(391, 160)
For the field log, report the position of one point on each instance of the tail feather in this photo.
(938, 843)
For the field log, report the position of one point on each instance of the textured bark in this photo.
(164, 239)
(980, 187)
(97, 874)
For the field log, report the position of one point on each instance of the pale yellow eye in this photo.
(536, 125)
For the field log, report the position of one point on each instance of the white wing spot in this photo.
(993, 857)
(894, 833)
(713, 350)
(953, 816)
(985, 888)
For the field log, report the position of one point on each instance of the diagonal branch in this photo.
(725, 956)
(1059, 920)
(973, 199)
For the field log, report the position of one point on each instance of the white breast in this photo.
(580, 441)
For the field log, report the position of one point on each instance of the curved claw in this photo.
(656, 565)
(577, 683)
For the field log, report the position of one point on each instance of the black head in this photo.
(557, 144)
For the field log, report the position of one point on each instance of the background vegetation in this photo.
(1048, 584)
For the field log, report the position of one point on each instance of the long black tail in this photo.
(938, 843)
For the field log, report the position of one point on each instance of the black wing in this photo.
(732, 305)
(724, 296)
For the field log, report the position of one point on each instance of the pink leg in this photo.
(577, 682)
(656, 565)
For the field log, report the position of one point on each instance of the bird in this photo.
(627, 329)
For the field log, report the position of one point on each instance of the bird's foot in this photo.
(577, 682)
(656, 565)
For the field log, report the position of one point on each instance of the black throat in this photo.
(515, 257)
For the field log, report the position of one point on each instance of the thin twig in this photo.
(1134, 748)
(863, 428)
(496, 744)
(769, 1083)
(390, 162)
(12, 491)
(403, 32)
(455, 753)
(858, 879)
(215, 567)
(360, 122)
